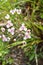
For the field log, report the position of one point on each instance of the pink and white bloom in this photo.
(4, 39)
(11, 30)
(27, 35)
(13, 11)
(9, 24)
(7, 16)
(3, 29)
(18, 11)
(23, 27)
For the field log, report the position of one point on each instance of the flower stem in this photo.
(36, 58)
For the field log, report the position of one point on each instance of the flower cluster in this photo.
(23, 32)
(18, 34)
(27, 33)
(8, 28)
(18, 11)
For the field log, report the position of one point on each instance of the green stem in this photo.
(36, 58)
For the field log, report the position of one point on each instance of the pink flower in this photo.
(27, 35)
(7, 16)
(4, 39)
(3, 29)
(9, 24)
(23, 27)
(11, 30)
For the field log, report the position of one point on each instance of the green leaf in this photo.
(41, 15)
(31, 57)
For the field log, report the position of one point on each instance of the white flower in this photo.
(18, 11)
(8, 38)
(27, 35)
(0, 36)
(11, 30)
(13, 11)
(23, 27)
(7, 16)
(3, 29)
(9, 24)
(14, 40)
(4, 39)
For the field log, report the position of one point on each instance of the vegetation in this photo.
(21, 25)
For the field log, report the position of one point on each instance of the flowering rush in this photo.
(4, 39)
(23, 27)
(12, 11)
(7, 16)
(18, 11)
(27, 35)
(11, 30)
(9, 24)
